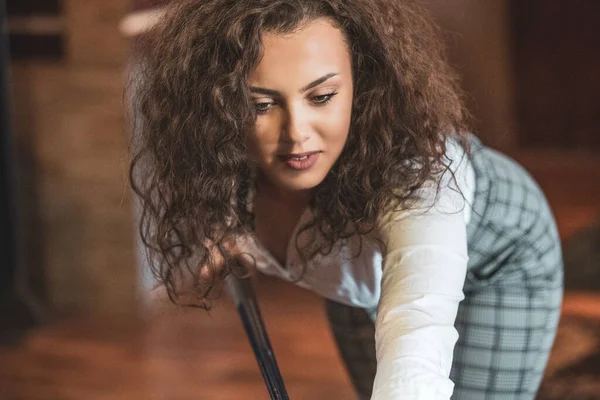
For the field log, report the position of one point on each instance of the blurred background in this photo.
(75, 318)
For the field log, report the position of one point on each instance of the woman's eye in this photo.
(263, 108)
(323, 99)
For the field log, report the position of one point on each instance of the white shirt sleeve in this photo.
(424, 270)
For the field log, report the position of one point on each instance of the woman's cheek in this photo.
(339, 124)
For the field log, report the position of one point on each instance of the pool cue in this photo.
(243, 295)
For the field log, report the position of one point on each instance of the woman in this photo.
(324, 142)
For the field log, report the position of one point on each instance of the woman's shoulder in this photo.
(449, 191)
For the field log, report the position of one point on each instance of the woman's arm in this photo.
(423, 275)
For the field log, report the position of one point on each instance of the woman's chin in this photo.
(299, 183)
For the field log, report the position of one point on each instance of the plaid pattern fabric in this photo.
(513, 292)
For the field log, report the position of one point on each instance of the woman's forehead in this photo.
(316, 49)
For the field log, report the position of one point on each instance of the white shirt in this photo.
(417, 285)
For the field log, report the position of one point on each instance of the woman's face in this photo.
(302, 91)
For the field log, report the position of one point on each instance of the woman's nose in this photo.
(296, 126)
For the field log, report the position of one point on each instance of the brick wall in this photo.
(73, 166)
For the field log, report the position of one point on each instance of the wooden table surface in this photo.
(189, 354)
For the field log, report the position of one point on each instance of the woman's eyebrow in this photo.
(317, 82)
(268, 92)
(275, 93)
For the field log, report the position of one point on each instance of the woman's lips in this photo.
(300, 161)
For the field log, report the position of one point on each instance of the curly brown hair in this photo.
(193, 110)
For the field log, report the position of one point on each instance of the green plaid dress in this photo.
(513, 292)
